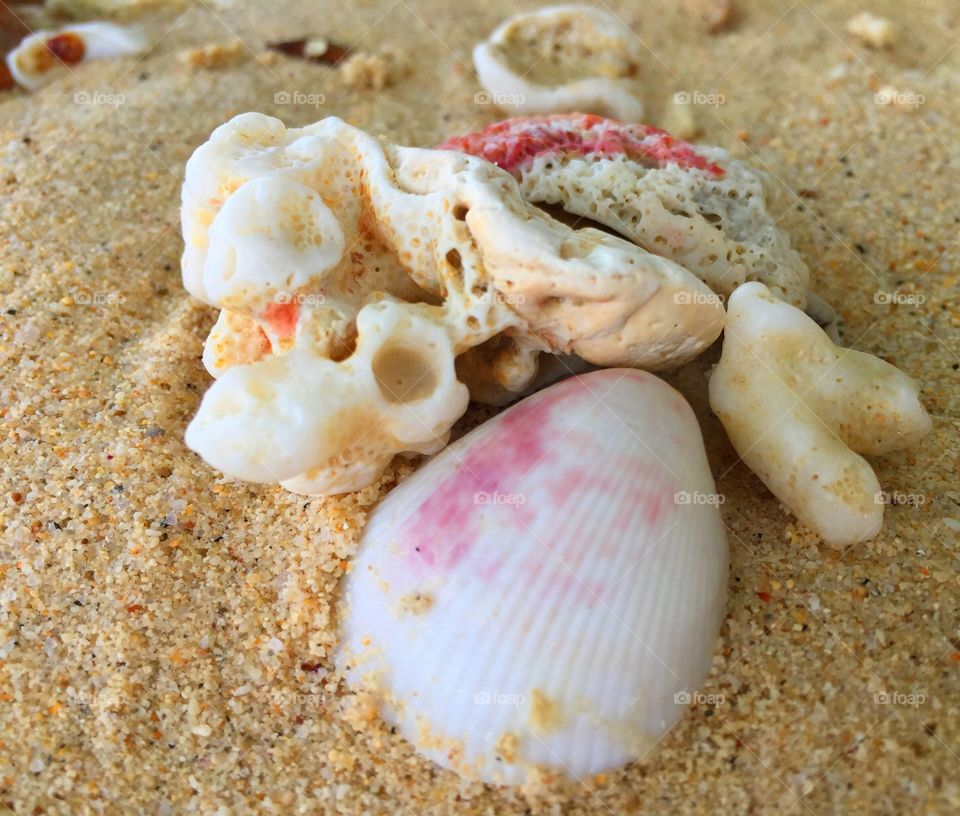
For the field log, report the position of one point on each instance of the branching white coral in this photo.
(353, 273)
(799, 410)
(562, 58)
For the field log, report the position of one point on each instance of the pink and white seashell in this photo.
(547, 591)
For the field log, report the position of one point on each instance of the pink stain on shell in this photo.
(649, 503)
(514, 143)
(488, 483)
(485, 481)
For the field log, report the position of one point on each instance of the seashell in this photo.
(44, 54)
(546, 592)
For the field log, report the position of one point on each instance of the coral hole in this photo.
(404, 374)
(454, 260)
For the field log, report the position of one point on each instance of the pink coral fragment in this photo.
(514, 143)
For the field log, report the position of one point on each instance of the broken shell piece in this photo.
(562, 58)
(799, 410)
(694, 205)
(43, 54)
(317, 49)
(298, 234)
(548, 591)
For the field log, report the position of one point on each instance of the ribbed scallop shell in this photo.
(540, 592)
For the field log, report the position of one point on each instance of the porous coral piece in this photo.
(365, 72)
(799, 410)
(694, 205)
(398, 391)
(353, 273)
(214, 55)
(562, 58)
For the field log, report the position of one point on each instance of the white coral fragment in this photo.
(358, 280)
(799, 410)
(695, 205)
(871, 30)
(397, 391)
(562, 58)
(43, 54)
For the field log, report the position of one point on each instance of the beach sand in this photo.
(167, 633)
